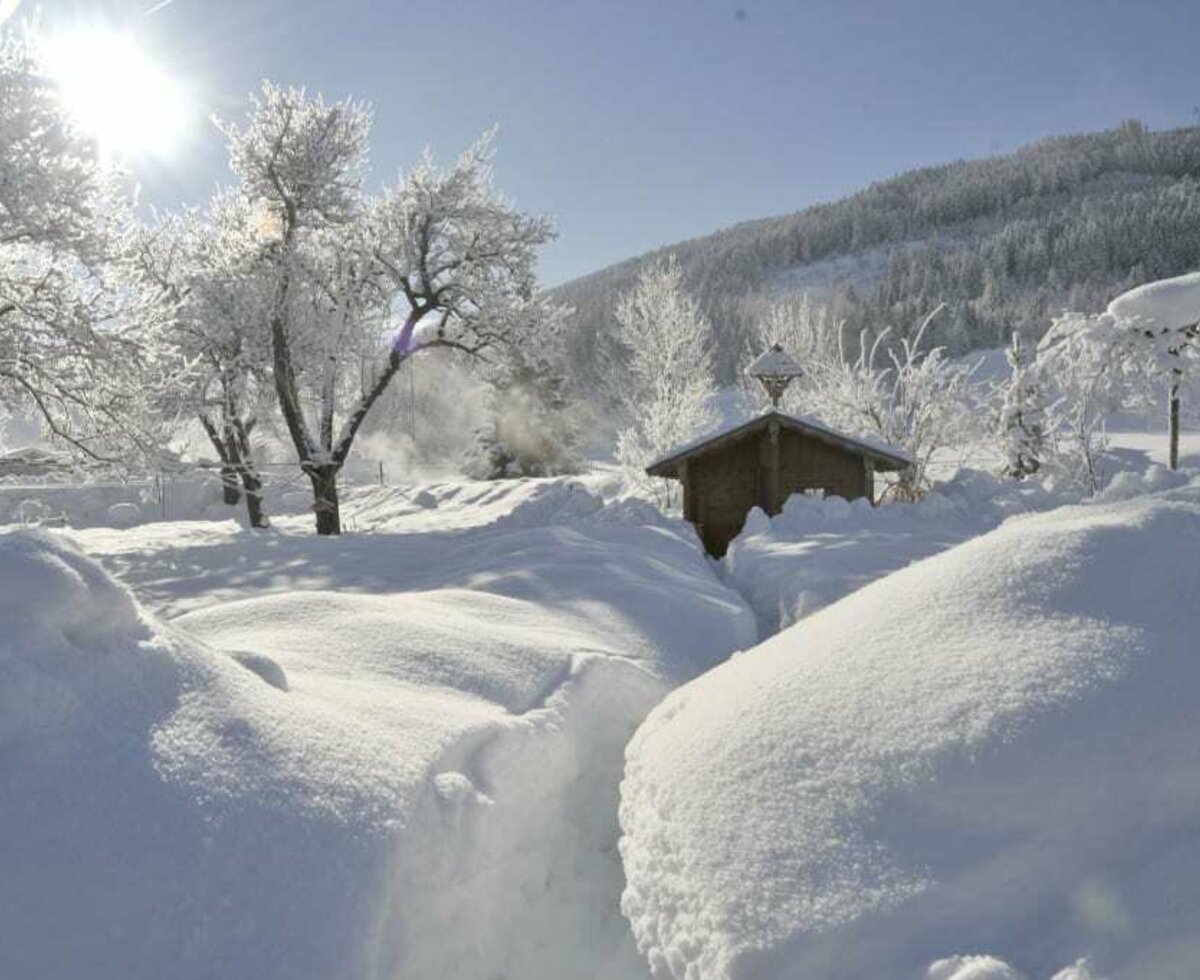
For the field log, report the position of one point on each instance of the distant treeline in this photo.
(1005, 242)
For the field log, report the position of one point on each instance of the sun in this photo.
(116, 92)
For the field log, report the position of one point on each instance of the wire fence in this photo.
(178, 493)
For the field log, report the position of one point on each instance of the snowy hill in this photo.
(1005, 241)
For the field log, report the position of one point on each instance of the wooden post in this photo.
(1173, 420)
(774, 505)
(688, 503)
(869, 479)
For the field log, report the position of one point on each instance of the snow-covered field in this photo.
(394, 754)
(399, 753)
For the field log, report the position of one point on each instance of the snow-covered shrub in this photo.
(1088, 370)
(919, 401)
(1021, 419)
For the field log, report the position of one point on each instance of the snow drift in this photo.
(394, 754)
(817, 550)
(994, 751)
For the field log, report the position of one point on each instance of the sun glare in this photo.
(116, 92)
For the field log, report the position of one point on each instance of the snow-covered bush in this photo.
(1021, 418)
(1088, 370)
(669, 383)
(919, 401)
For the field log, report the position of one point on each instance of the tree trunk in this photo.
(229, 486)
(325, 499)
(1173, 423)
(254, 502)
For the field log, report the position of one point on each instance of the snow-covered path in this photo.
(420, 782)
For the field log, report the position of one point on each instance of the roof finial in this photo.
(775, 370)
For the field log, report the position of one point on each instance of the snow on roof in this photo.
(875, 448)
(774, 362)
(891, 779)
(1171, 303)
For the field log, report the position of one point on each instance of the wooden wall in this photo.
(763, 470)
(722, 486)
(806, 463)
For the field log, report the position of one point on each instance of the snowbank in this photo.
(394, 754)
(818, 550)
(994, 750)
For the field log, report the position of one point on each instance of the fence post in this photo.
(381, 472)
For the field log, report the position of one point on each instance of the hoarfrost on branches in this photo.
(919, 401)
(1021, 419)
(667, 395)
(210, 289)
(68, 349)
(438, 259)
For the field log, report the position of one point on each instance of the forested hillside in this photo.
(1005, 242)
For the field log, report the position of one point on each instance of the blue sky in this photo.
(639, 124)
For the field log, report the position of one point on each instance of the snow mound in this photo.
(69, 631)
(391, 754)
(816, 550)
(410, 638)
(993, 749)
(1170, 304)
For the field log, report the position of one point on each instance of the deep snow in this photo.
(818, 550)
(397, 754)
(993, 751)
(390, 755)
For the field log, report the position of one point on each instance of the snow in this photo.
(991, 752)
(1171, 304)
(807, 422)
(774, 362)
(971, 968)
(395, 753)
(817, 550)
(399, 752)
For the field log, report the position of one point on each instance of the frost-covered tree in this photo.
(1164, 316)
(1089, 370)
(211, 288)
(669, 383)
(1021, 419)
(67, 349)
(918, 400)
(438, 259)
